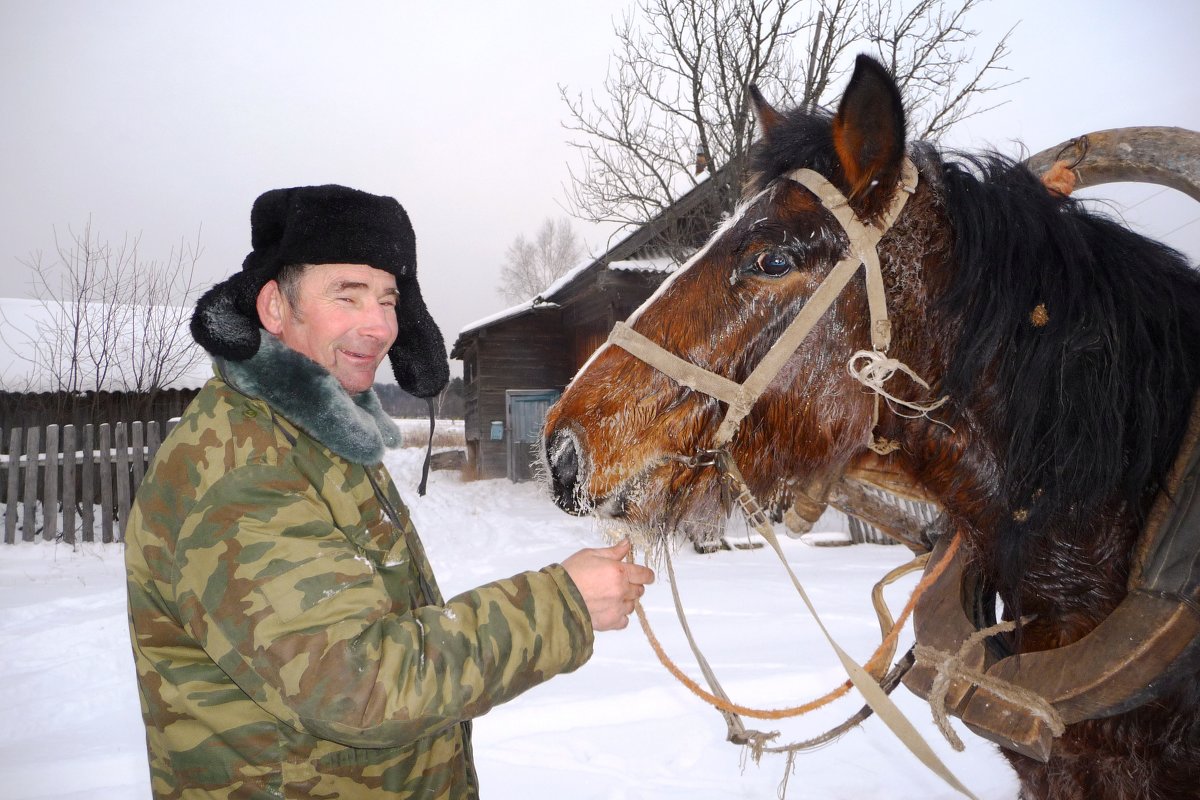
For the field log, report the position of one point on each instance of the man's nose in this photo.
(379, 321)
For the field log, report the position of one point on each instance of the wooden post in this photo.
(106, 487)
(68, 484)
(14, 478)
(29, 518)
(153, 442)
(87, 498)
(138, 453)
(121, 474)
(50, 487)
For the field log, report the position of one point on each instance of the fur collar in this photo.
(354, 427)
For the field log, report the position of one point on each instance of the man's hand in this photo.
(609, 585)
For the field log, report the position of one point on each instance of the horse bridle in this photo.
(864, 238)
(863, 251)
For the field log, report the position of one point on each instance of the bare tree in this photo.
(676, 107)
(112, 320)
(531, 266)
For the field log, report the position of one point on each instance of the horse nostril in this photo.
(563, 456)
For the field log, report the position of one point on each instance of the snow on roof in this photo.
(663, 264)
(537, 303)
(509, 313)
(26, 323)
(567, 277)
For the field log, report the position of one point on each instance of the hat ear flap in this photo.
(419, 355)
(225, 322)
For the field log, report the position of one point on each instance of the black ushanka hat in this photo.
(327, 225)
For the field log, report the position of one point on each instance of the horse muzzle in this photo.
(566, 467)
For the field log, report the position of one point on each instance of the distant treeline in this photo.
(399, 403)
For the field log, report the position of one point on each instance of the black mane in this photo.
(1085, 406)
(1088, 406)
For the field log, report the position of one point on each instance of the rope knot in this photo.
(873, 369)
(950, 667)
(878, 369)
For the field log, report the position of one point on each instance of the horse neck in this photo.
(1076, 567)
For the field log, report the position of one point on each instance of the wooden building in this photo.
(518, 361)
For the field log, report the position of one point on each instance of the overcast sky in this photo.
(164, 119)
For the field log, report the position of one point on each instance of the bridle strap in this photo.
(864, 241)
(864, 238)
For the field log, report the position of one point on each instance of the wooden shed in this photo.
(518, 361)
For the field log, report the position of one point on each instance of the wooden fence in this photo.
(74, 484)
(866, 533)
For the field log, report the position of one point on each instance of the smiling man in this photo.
(342, 316)
(289, 636)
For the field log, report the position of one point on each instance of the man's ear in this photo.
(270, 307)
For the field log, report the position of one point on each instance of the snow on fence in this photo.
(74, 483)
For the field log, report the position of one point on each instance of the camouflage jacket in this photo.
(289, 638)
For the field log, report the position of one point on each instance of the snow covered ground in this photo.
(621, 728)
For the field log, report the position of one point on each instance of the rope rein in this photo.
(880, 656)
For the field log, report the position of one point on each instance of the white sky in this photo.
(165, 118)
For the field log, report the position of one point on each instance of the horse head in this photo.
(623, 438)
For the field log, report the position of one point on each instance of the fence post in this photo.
(68, 484)
(138, 454)
(122, 477)
(14, 478)
(106, 476)
(87, 484)
(50, 486)
(153, 442)
(29, 519)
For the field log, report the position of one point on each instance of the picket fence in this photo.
(74, 484)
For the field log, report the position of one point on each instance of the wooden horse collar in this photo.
(1123, 663)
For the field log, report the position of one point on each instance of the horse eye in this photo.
(773, 263)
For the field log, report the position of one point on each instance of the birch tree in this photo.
(532, 265)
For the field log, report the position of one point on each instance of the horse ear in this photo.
(768, 117)
(868, 134)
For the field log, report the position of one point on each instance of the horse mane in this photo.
(1077, 341)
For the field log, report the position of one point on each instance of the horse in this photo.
(1044, 362)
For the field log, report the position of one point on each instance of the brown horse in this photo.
(1066, 347)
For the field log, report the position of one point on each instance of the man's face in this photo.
(344, 319)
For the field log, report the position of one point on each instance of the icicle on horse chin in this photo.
(1065, 352)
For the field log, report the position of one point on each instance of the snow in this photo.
(509, 313)
(645, 265)
(620, 728)
(537, 303)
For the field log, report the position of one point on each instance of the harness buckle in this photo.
(704, 458)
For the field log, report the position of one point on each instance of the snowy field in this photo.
(620, 728)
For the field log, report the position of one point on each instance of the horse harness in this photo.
(1128, 660)
(1019, 702)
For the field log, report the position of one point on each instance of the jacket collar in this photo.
(354, 427)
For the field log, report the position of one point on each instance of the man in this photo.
(289, 638)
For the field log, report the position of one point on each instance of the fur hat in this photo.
(327, 225)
